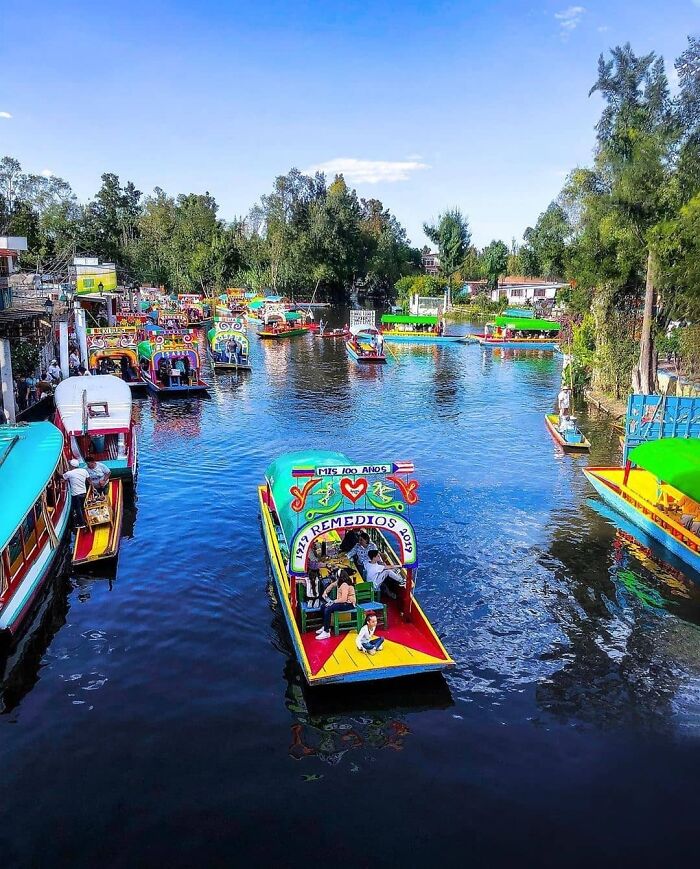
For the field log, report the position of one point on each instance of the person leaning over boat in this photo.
(77, 478)
(99, 476)
(344, 600)
(366, 641)
(377, 573)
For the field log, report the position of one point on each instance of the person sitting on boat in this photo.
(360, 551)
(377, 572)
(77, 479)
(344, 600)
(366, 641)
(99, 476)
(566, 423)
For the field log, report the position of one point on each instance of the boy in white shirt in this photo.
(377, 572)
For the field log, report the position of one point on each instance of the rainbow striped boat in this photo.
(317, 498)
(33, 521)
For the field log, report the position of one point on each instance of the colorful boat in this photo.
(283, 325)
(659, 491)
(333, 334)
(169, 363)
(94, 416)
(114, 351)
(364, 345)
(99, 539)
(417, 330)
(192, 306)
(513, 332)
(312, 498)
(33, 520)
(228, 345)
(568, 438)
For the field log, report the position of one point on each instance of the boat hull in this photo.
(551, 421)
(419, 338)
(514, 344)
(200, 387)
(278, 336)
(19, 605)
(336, 670)
(608, 484)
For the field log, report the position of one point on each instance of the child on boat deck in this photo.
(366, 641)
(344, 600)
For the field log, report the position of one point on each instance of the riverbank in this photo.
(615, 407)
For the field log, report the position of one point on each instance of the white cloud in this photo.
(368, 171)
(5, 115)
(604, 27)
(47, 173)
(569, 18)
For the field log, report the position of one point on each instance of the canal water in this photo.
(155, 717)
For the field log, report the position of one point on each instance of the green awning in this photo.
(407, 318)
(675, 461)
(292, 315)
(526, 324)
(279, 476)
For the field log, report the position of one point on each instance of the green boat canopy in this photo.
(528, 324)
(675, 461)
(145, 350)
(407, 318)
(279, 476)
(292, 316)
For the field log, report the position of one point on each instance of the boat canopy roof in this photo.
(293, 315)
(528, 323)
(409, 318)
(359, 329)
(518, 312)
(74, 393)
(280, 479)
(29, 454)
(675, 461)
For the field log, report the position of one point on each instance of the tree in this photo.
(452, 236)
(546, 244)
(495, 262)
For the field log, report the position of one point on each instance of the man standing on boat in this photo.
(564, 400)
(77, 479)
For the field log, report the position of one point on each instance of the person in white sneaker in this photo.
(377, 573)
(344, 600)
(366, 641)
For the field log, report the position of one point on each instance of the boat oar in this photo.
(388, 347)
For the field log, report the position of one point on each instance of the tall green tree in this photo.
(495, 262)
(452, 237)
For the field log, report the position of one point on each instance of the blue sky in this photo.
(425, 105)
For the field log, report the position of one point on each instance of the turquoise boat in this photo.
(33, 521)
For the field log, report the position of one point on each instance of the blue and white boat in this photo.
(34, 517)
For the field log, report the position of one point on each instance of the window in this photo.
(15, 553)
(539, 293)
(28, 529)
(516, 294)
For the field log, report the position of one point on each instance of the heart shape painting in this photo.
(353, 489)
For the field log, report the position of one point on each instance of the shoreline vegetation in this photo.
(623, 233)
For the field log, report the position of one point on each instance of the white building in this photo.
(527, 293)
(430, 263)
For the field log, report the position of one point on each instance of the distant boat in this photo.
(33, 521)
(158, 360)
(221, 338)
(406, 328)
(363, 345)
(515, 332)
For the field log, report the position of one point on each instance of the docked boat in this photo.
(113, 350)
(311, 500)
(228, 345)
(334, 334)
(406, 328)
(94, 416)
(169, 363)
(33, 520)
(567, 434)
(99, 539)
(364, 345)
(514, 332)
(658, 490)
